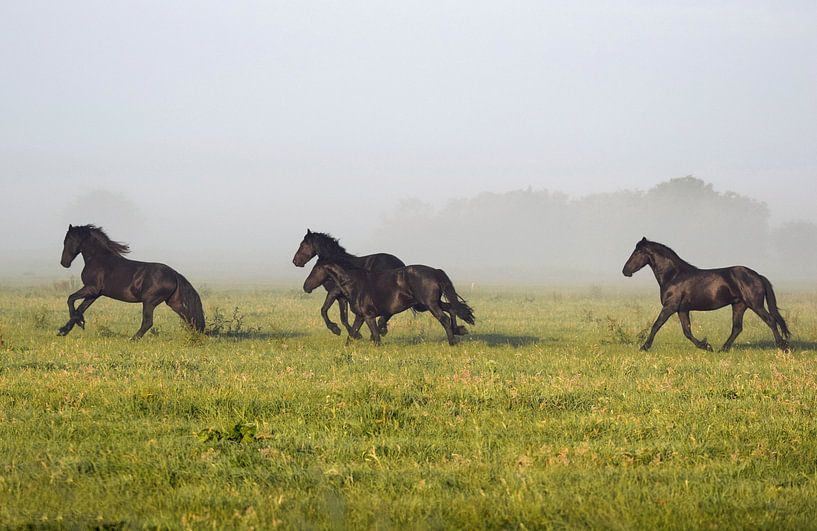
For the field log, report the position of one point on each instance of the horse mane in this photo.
(99, 237)
(341, 260)
(665, 251)
(328, 246)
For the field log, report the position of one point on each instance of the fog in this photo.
(524, 142)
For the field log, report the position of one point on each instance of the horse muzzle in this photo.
(626, 273)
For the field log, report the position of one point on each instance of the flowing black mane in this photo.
(101, 239)
(663, 250)
(327, 246)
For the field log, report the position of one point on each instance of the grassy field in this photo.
(547, 416)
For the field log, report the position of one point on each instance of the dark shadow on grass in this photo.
(38, 366)
(410, 340)
(253, 335)
(243, 335)
(770, 345)
(504, 340)
(491, 340)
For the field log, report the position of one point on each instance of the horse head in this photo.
(316, 278)
(638, 259)
(71, 246)
(306, 251)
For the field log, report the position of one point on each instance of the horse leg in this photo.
(331, 297)
(738, 309)
(781, 343)
(444, 320)
(685, 325)
(354, 331)
(372, 323)
(665, 314)
(458, 330)
(147, 319)
(383, 325)
(343, 306)
(84, 306)
(75, 317)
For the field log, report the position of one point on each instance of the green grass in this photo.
(547, 416)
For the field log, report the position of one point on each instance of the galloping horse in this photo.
(326, 247)
(107, 273)
(686, 288)
(375, 294)
(320, 274)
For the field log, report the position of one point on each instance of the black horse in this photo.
(326, 247)
(107, 273)
(320, 274)
(686, 288)
(375, 294)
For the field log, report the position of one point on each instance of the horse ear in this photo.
(643, 239)
(70, 226)
(308, 231)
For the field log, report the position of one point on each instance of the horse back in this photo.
(372, 262)
(381, 261)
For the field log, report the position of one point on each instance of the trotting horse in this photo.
(326, 247)
(686, 288)
(107, 273)
(375, 294)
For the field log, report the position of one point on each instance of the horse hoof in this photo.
(356, 336)
(335, 329)
(707, 347)
(81, 323)
(62, 332)
(461, 331)
(644, 348)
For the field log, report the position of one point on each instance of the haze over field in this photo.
(443, 132)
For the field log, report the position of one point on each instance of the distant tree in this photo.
(718, 228)
(116, 213)
(548, 234)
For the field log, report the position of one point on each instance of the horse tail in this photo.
(186, 302)
(458, 305)
(771, 300)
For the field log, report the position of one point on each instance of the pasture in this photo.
(546, 416)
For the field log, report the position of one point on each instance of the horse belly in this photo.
(124, 291)
(404, 302)
(396, 303)
(712, 297)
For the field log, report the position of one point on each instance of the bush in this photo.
(220, 325)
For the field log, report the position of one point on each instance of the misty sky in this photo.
(267, 117)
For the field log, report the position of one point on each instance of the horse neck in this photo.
(665, 267)
(341, 257)
(91, 249)
(345, 281)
